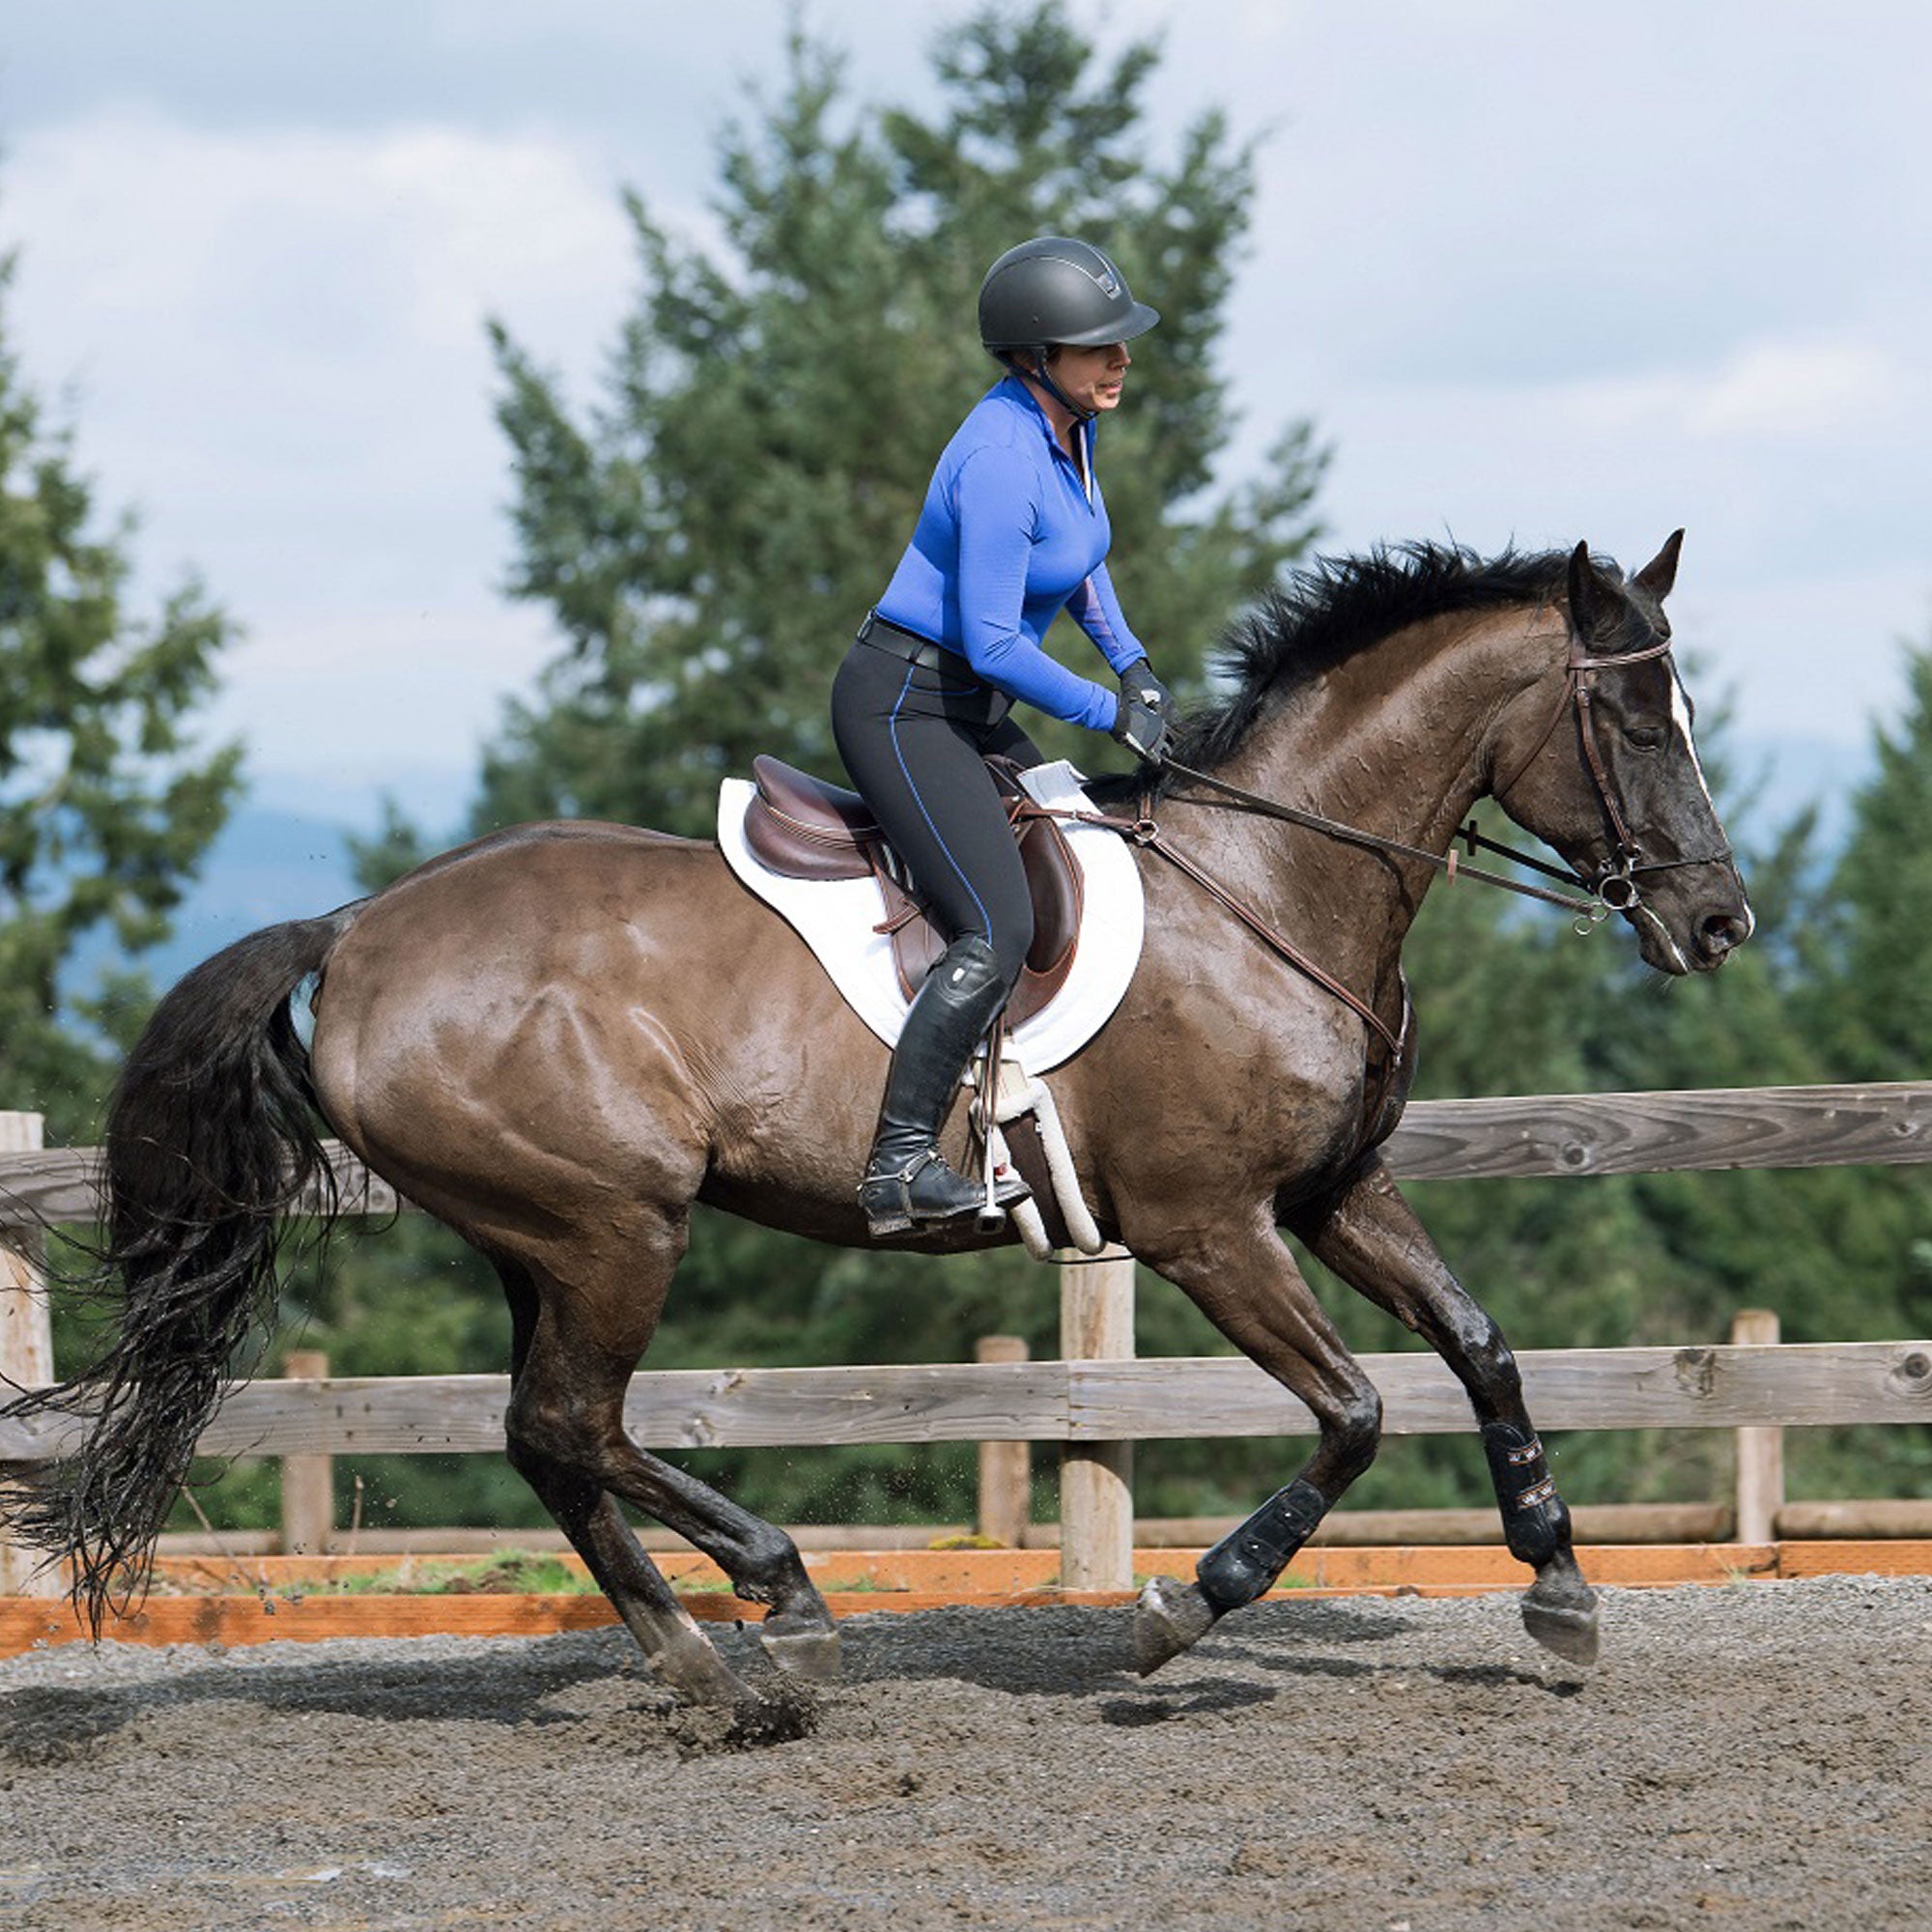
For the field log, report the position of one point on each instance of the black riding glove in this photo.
(1141, 720)
(1139, 683)
(1141, 728)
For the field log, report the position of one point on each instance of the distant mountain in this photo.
(266, 866)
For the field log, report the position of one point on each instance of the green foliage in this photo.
(709, 540)
(105, 807)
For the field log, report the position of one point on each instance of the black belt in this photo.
(882, 635)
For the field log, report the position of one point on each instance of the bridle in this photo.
(1615, 885)
(1614, 888)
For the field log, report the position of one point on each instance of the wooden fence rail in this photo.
(1074, 1402)
(1099, 1405)
(1519, 1137)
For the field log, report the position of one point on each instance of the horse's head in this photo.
(1596, 761)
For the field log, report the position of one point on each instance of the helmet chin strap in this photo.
(1038, 373)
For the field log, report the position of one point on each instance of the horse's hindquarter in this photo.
(574, 1015)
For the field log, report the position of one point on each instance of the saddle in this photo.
(802, 827)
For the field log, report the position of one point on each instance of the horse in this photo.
(560, 1037)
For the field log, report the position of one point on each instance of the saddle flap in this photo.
(1052, 878)
(803, 827)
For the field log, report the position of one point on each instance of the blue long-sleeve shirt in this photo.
(1006, 539)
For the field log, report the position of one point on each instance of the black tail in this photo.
(211, 1141)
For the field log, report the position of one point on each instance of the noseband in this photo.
(1615, 886)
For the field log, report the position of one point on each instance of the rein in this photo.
(1142, 830)
(1615, 888)
(1592, 909)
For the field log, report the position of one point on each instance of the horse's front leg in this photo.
(1368, 1234)
(1248, 1286)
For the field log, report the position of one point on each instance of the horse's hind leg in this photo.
(1368, 1234)
(1248, 1286)
(677, 1650)
(568, 1440)
(764, 1563)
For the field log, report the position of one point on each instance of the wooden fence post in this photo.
(308, 1482)
(26, 1347)
(1006, 1468)
(1760, 1451)
(1096, 1497)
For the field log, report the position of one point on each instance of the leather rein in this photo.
(1613, 889)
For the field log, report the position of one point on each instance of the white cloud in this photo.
(277, 344)
(1536, 282)
(1786, 390)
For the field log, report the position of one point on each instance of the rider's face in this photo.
(1091, 377)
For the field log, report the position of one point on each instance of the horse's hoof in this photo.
(806, 1653)
(1563, 1621)
(1170, 1617)
(700, 1675)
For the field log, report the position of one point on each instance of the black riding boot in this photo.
(907, 1181)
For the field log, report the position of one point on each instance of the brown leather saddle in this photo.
(804, 828)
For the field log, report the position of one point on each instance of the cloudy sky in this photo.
(1537, 273)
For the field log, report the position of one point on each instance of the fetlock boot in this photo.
(907, 1181)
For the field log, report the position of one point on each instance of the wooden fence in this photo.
(1097, 1399)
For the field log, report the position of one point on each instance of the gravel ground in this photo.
(1755, 1756)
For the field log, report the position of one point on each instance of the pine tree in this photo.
(710, 539)
(106, 804)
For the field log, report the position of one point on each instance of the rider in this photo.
(1014, 530)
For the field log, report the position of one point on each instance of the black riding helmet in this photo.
(1055, 288)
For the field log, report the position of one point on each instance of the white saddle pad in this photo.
(835, 918)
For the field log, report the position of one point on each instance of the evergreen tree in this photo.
(106, 806)
(710, 539)
(1874, 1010)
(1865, 1001)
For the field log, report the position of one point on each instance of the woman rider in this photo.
(1014, 530)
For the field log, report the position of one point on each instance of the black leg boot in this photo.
(907, 1181)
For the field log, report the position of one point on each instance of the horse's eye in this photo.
(1645, 737)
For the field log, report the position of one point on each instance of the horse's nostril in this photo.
(1722, 934)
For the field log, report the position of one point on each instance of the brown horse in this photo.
(558, 1038)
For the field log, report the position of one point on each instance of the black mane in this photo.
(1322, 615)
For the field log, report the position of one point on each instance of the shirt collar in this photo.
(1014, 382)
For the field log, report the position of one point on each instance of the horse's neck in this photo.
(1394, 741)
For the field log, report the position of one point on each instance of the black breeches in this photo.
(915, 740)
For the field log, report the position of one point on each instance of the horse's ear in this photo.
(1658, 575)
(1591, 598)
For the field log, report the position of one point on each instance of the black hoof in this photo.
(1170, 1617)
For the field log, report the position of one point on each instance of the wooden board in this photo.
(1900, 1559)
(272, 1615)
(63, 1184)
(992, 1572)
(1076, 1401)
(1882, 1124)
